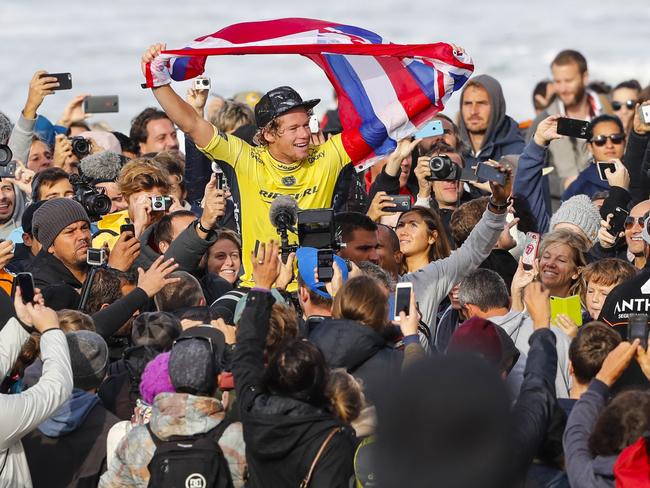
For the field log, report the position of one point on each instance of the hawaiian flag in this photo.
(385, 91)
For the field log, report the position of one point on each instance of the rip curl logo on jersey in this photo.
(195, 480)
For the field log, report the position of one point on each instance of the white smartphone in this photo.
(402, 299)
(313, 124)
(645, 114)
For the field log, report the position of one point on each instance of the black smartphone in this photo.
(580, 129)
(617, 224)
(602, 166)
(490, 173)
(101, 105)
(325, 260)
(637, 328)
(257, 248)
(219, 180)
(402, 299)
(26, 285)
(64, 79)
(128, 227)
(402, 203)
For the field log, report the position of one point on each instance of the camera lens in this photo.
(205, 82)
(80, 147)
(99, 204)
(5, 155)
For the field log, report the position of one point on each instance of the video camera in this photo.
(7, 165)
(94, 201)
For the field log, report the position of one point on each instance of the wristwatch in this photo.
(201, 228)
(501, 207)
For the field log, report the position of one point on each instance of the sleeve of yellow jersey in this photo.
(334, 147)
(224, 147)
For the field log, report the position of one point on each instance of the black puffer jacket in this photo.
(283, 434)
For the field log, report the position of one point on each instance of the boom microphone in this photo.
(284, 212)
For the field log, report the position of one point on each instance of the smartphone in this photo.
(96, 257)
(637, 328)
(402, 299)
(257, 248)
(431, 129)
(602, 166)
(128, 227)
(101, 105)
(402, 203)
(617, 224)
(314, 127)
(567, 306)
(26, 285)
(490, 173)
(325, 259)
(8, 170)
(202, 83)
(645, 113)
(580, 129)
(531, 248)
(64, 79)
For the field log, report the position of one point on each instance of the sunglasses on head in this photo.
(619, 105)
(602, 140)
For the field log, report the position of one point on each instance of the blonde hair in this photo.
(74, 320)
(579, 248)
(346, 395)
(231, 116)
(142, 174)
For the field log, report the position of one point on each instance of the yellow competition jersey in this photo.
(261, 179)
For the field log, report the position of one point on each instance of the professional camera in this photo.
(5, 155)
(7, 165)
(80, 147)
(91, 198)
(443, 169)
(160, 204)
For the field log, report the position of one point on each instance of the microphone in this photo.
(284, 212)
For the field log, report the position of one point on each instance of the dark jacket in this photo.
(583, 468)
(283, 434)
(363, 352)
(502, 137)
(588, 182)
(530, 185)
(72, 451)
(637, 162)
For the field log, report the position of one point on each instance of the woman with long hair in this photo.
(422, 238)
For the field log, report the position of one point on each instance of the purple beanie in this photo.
(155, 378)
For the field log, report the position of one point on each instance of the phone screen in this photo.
(402, 300)
(638, 329)
(579, 129)
(325, 269)
(602, 166)
(26, 285)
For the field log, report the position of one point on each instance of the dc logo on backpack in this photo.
(195, 480)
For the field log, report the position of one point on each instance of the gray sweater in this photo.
(583, 469)
(20, 141)
(433, 283)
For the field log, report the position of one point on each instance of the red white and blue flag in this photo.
(385, 91)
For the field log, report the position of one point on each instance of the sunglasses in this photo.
(618, 105)
(630, 221)
(602, 140)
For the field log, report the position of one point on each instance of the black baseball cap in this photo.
(278, 101)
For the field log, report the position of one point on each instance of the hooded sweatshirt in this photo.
(519, 327)
(15, 220)
(502, 136)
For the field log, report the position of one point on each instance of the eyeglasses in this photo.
(618, 105)
(630, 221)
(602, 140)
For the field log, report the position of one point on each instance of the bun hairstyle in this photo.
(346, 396)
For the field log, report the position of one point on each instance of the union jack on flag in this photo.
(385, 91)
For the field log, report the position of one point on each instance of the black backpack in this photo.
(195, 461)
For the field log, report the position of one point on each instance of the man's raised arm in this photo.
(178, 110)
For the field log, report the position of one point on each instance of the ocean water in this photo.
(100, 43)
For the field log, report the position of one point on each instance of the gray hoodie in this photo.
(433, 283)
(15, 220)
(519, 327)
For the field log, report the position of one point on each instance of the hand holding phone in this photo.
(64, 80)
(531, 248)
(403, 293)
(580, 129)
(637, 328)
(617, 222)
(26, 284)
(490, 173)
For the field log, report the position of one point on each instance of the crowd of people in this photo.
(158, 329)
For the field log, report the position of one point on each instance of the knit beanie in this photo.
(102, 167)
(192, 367)
(54, 216)
(88, 358)
(155, 329)
(578, 210)
(155, 378)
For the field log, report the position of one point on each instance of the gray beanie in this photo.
(54, 216)
(5, 128)
(88, 358)
(192, 367)
(102, 167)
(578, 210)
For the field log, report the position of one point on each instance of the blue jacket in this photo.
(531, 186)
(588, 182)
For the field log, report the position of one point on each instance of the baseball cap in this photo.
(307, 258)
(278, 101)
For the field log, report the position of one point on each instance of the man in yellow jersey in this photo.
(284, 163)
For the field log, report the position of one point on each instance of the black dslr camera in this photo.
(443, 169)
(94, 201)
(80, 147)
(7, 165)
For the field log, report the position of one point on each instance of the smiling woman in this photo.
(422, 238)
(562, 258)
(224, 256)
